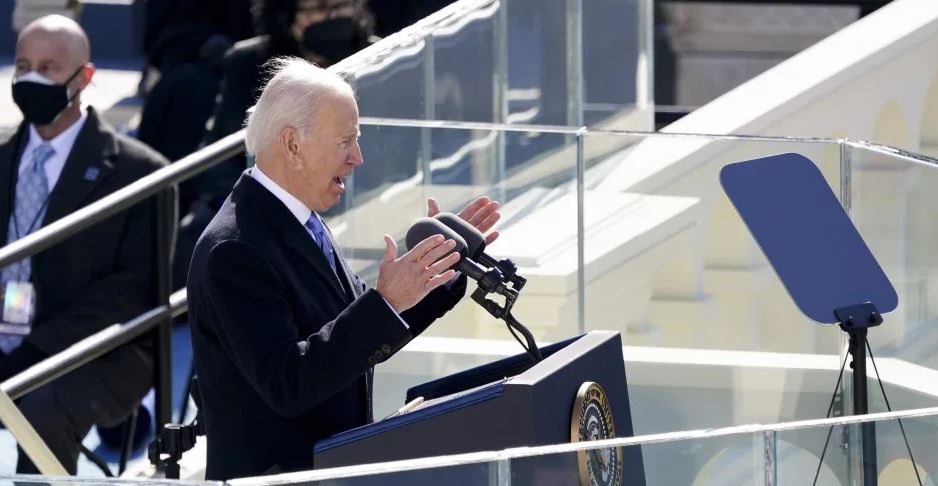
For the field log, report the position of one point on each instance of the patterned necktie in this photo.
(32, 195)
(319, 233)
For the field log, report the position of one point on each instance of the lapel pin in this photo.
(92, 173)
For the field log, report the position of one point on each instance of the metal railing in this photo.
(157, 321)
(768, 432)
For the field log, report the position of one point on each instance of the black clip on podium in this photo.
(818, 255)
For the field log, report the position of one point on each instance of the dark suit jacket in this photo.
(284, 348)
(100, 276)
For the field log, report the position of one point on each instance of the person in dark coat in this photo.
(284, 334)
(185, 42)
(62, 158)
(320, 31)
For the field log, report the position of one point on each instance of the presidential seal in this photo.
(592, 420)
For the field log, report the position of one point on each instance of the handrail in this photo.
(463, 459)
(91, 347)
(133, 193)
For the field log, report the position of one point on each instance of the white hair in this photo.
(295, 92)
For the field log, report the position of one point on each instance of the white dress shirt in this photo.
(62, 144)
(300, 212)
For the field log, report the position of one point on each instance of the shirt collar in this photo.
(62, 143)
(297, 208)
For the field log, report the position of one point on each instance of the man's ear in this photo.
(290, 142)
(85, 76)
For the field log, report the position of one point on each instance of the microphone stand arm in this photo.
(488, 284)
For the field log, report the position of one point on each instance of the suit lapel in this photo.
(9, 163)
(302, 243)
(345, 273)
(88, 163)
(266, 206)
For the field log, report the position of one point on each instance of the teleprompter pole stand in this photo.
(855, 320)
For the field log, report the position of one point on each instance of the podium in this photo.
(504, 404)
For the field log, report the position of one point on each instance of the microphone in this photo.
(470, 244)
(473, 237)
(491, 280)
(475, 242)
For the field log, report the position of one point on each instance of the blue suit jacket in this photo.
(284, 348)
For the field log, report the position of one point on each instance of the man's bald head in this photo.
(59, 31)
(57, 50)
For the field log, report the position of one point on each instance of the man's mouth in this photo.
(339, 182)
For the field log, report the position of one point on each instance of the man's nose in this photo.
(355, 157)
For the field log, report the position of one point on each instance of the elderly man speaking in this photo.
(284, 334)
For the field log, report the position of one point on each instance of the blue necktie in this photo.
(32, 195)
(319, 234)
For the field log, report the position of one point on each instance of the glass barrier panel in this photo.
(670, 265)
(396, 85)
(893, 203)
(617, 64)
(468, 67)
(526, 170)
(669, 261)
(799, 453)
(729, 460)
(781, 454)
(549, 62)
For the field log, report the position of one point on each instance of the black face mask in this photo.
(41, 103)
(333, 39)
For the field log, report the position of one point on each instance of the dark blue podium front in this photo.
(504, 404)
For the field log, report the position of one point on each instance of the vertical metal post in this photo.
(500, 97)
(846, 176)
(767, 451)
(645, 72)
(574, 63)
(581, 230)
(500, 473)
(575, 118)
(429, 108)
(853, 442)
(163, 366)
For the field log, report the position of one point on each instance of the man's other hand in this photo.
(405, 281)
(481, 213)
